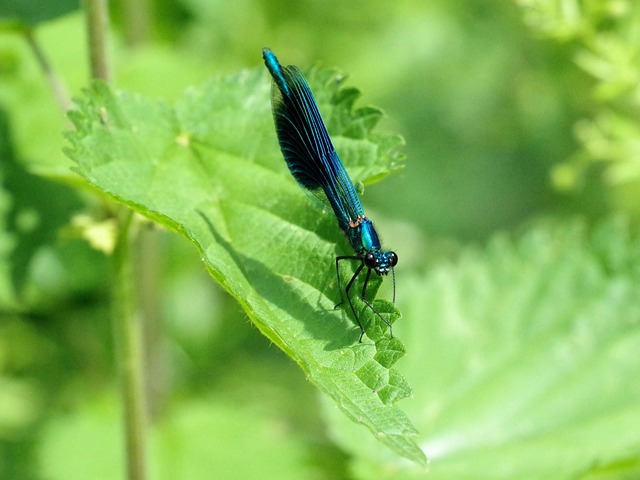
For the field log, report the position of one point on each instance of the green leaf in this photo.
(7, 239)
(210, 168)
(525, 357)
(31, 12)
(33, 210)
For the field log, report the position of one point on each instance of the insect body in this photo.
(314, 163)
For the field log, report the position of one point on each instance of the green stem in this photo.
(148, 274)
(127, 332)
(97, 17)
(59, 92)
(137, 22)
(126, 323)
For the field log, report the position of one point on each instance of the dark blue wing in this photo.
(305, 143)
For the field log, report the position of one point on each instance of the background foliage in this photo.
(514, 219)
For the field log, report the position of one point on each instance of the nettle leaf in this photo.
(210, 168)
(32, 12)
(525, 356)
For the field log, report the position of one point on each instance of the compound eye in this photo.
(370, 260)
(393, 259)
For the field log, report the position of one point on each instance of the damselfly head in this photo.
(381, 262)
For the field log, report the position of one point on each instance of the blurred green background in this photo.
(487, 106)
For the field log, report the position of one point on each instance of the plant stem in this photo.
(149, 261)
(59, 92)
(127, 333)
(126, 323)
(137, 22)
(97, 24)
